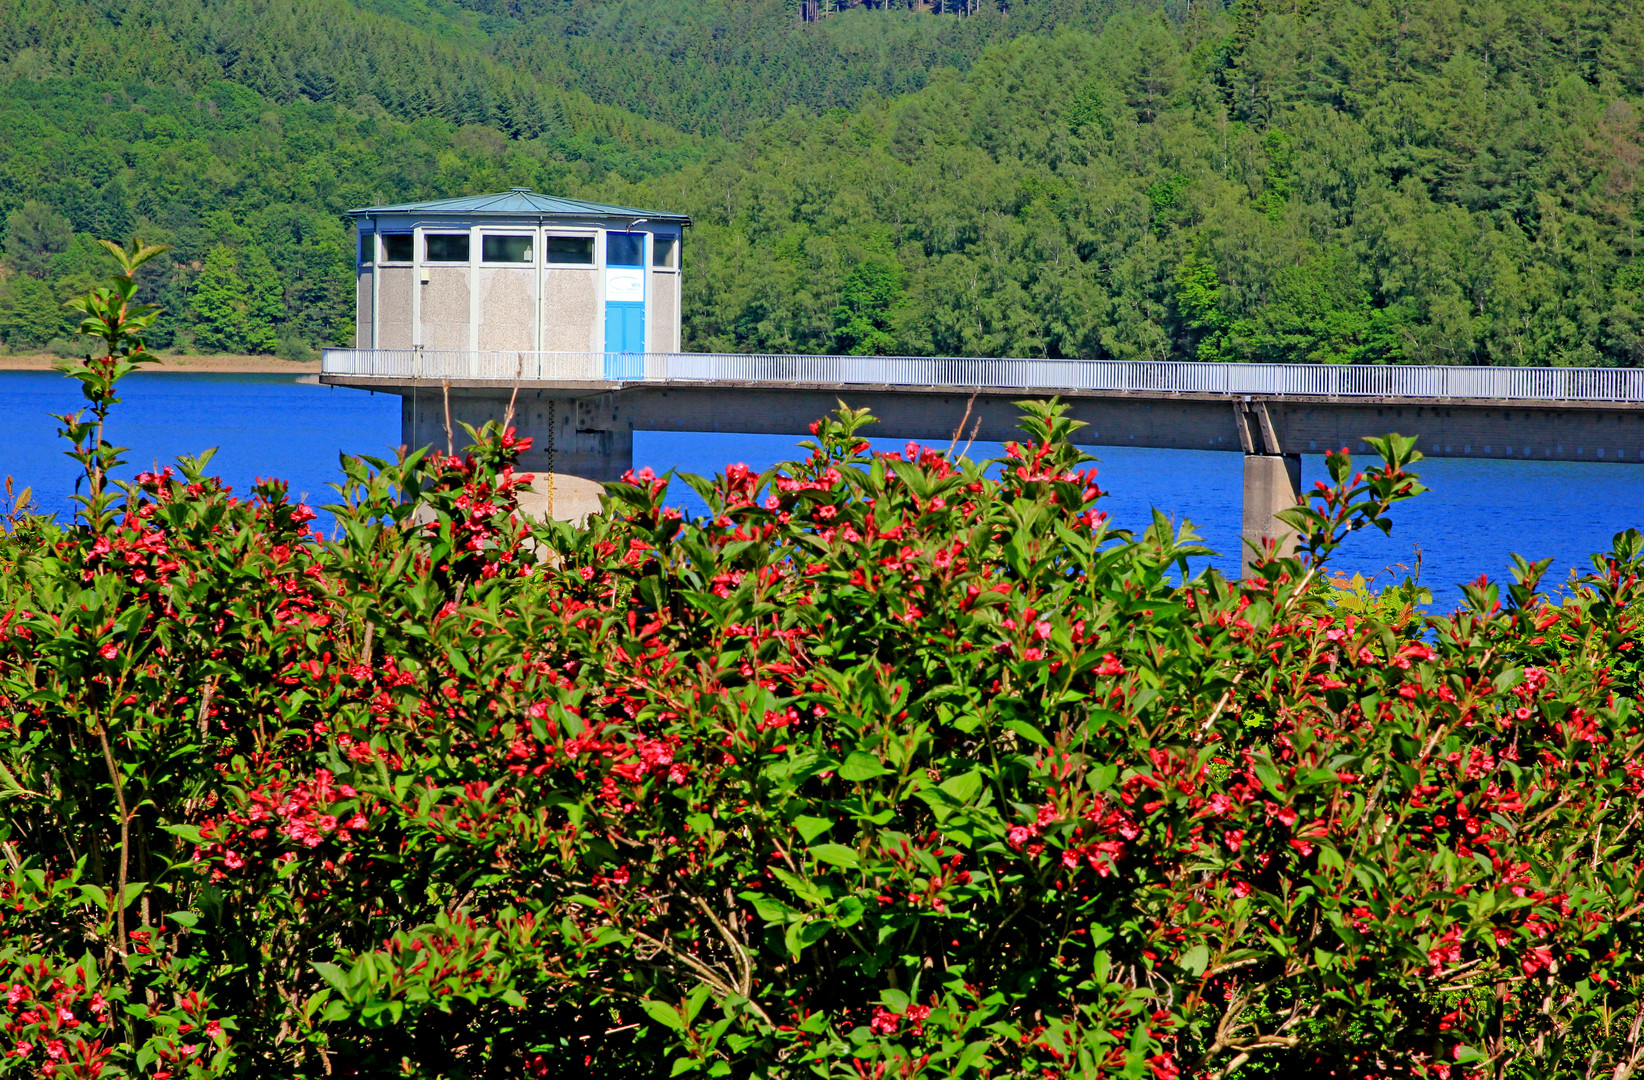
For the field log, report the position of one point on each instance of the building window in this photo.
(624, 249)
(396, 247)
(368, 248)
(446, 247)
(506, 249)
(571, 250)
(665, 252)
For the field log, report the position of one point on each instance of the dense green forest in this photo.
(1382, 181)
(1419, 181)
(721, 68)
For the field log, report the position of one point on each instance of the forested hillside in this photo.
(1419, 181)
(724, 66)
(238, 132)
(1382, 181)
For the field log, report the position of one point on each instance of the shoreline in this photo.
(185, 365)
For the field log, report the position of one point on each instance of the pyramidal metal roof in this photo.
(521, 202)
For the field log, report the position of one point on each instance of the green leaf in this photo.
(811, 827)
(334, 975)
(1195, 960)
(664, 1014)
(970, 1055)
(1027, 731)
(894, 1000)
(802, 935)
(801, 887)
(772, 910)
(963, 789)
(837, 854)
(860, 766)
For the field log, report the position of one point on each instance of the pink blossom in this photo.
(1536, 960)
(884, 1022)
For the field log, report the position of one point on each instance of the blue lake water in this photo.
(1476, 514)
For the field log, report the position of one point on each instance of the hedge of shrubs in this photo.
(889, 766)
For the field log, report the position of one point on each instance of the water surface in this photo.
(270, 425)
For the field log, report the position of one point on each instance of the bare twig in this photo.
(445, 392)
(508, 413)
(960, 430)
(125, 835)
(715, 979)
(743, 961)
(974, 429)
(207, 692)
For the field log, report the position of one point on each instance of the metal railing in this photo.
(986, 373)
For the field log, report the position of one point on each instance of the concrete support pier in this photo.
(1272, 482)
(578, 444)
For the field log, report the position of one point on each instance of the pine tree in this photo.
(265, 301)
(30, 313)
(220, 303)
(114, 218)
(34, 233)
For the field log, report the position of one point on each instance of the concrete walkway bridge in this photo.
(583, 408)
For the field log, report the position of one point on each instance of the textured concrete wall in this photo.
(394, 307)
(578, 443)
(508, 313)
(570, 310)
(1186, 425)
(445, 304)
(1560, 432)
(663, 327)
(1272, 483)
(1546, 433)
(362, 309)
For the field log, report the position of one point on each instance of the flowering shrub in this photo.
(884, 768)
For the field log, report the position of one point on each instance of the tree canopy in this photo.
(1372, 181)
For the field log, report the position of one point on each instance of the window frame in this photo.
(383, 258)
(547, 251)
(644, 249)
(508, 234)
(466, 234)
(367, 241)
(675, 243)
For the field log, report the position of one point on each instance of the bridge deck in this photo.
(593, 373)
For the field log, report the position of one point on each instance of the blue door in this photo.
(624, 305)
